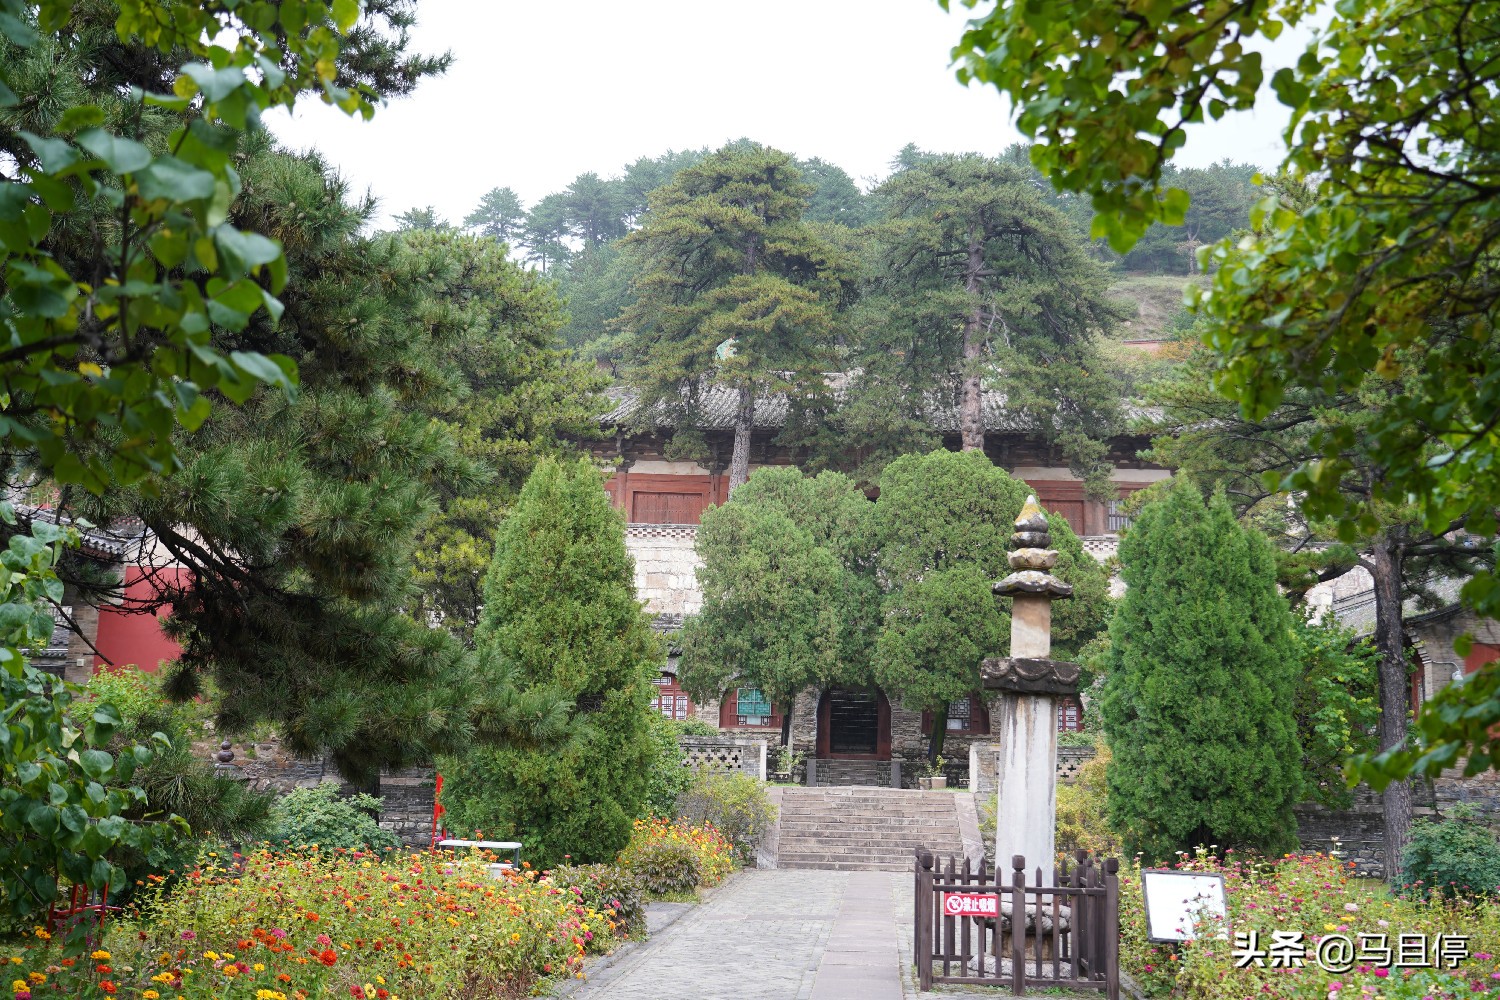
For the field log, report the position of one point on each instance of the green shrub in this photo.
(566, 657)
(131, 690)
(321, 816)
(694, 727)
(734, 803)
(668, 778)
(666, 867)
(613, 890)
(1454, 857)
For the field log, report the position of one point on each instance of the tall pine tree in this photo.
(1200, 696)
(733, 290)
(561, 623)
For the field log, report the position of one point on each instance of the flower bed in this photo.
(1315, 895)
(306, 925)
(674, 856)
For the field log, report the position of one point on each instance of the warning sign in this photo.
(970, 904)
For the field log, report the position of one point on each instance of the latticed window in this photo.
(960, 714)
(1118, 520)
(752, 707)
(1069, 716)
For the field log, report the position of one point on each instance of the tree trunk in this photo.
(786, 723)
(971, 409)
(939, 731)
(1390, 641)
(744, 420)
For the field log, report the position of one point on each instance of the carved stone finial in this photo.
(1032, 557)
(1029, 675)
(225, 754)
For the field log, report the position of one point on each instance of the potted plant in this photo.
(933, 776)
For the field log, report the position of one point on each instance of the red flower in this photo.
(328, 956)
(107, 986)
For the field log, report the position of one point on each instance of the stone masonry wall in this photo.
(666, 565)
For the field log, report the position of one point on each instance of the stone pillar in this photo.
(1030, 683)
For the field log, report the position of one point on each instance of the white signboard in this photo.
(1176, 900)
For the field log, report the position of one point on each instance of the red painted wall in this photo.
(137, 638)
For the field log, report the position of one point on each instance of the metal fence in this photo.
(1067, 934)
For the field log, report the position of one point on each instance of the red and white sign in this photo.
(970, 904)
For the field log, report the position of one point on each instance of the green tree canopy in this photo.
(787, 604)
(975, 281)
(940, 534)
(499, 215)
(1201, 686)
(733, 291)
(1385, 272)
(561, 621)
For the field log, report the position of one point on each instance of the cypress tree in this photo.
(561, 622)
(1199, 700)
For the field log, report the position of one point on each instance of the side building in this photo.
(853, 736)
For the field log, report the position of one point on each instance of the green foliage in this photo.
(974, 279)
(320, 816)
(63, 796)
(1337, 707)
(785, 607)
(421, 220)
(133, 692)
(499, 215)
(119, 253)
(1198, 701)
(1369, 268)
(733, 290)
(564, 639)
(807, 584)
(1082, 808)
(613, 890)
(1452, 857)
(940, 533)
(668, 777)
(734, 803)
(666, 867)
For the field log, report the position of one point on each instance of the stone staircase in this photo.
(865, 829)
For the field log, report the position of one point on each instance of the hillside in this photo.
(1154, 299)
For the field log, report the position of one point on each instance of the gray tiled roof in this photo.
(717, 404)
(101, 543)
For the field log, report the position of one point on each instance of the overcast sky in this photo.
(541, 92)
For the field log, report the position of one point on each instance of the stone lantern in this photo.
(1030, 683)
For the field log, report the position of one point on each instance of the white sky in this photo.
(543, 91)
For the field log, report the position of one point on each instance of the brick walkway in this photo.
(774, 935)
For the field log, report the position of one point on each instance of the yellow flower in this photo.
(100, 956)
(231, 971)
(228, 957)
(212, 956)
(258, 967)
(1329, 927)
(380, 979)
(18, 985)
(37, 977)
(150, 995)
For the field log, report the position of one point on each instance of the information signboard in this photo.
(1176, 900)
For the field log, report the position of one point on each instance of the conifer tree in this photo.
(940, 533)
(561, 623)
(1200, 696)
(734, 290)
(788, 599)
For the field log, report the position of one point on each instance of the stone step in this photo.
(846, 866)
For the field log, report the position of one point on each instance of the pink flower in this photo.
(1382, 973)
(188, 935)
(1351, 907)
(324, 939)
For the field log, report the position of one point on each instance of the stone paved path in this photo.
(773, 935)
